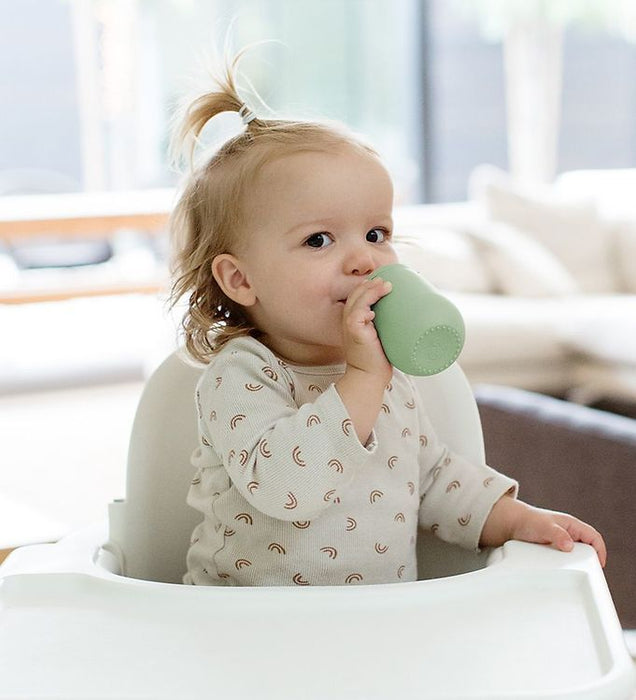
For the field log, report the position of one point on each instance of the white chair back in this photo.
(149, 531)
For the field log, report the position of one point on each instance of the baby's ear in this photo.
(230, 275)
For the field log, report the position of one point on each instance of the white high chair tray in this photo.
(534, 623)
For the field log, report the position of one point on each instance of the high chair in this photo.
(101, 614)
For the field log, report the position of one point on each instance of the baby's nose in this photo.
(361, 263)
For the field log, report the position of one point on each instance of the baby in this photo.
(317, 463)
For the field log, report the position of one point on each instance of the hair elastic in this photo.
(246, 114)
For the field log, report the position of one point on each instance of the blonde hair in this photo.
(208, 218)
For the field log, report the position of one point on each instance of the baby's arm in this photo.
(511, 519)
(368, 372)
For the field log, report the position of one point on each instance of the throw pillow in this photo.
(626, 255)
(446, 258)
(572, 231)
(519, 266)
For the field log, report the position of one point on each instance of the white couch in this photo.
(545, 279)
(546, 282)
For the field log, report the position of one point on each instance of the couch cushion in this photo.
(571, 230)
(513, 340)
(626, 254)
(612, 190)
(446, 258)
(601, 328)
(518, 265)
(613, 193)
(500, 328)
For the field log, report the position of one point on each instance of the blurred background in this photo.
(88, 89)
(88, 86)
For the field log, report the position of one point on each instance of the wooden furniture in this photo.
(4, 553)
(82, 215)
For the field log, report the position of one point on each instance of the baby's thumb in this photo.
(561, 539)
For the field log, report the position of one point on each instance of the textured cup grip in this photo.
(421, 331)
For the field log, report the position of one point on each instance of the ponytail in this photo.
(192, 119)
(208, 219)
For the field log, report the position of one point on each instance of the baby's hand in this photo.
(362, 346)
(362, 386)
(511, 519)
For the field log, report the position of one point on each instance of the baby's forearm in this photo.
(500, 524)
(362, 394)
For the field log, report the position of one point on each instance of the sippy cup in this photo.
(421, 332)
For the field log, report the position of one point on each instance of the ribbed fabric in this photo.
(290, 496)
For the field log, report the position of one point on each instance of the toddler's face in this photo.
(319, 223)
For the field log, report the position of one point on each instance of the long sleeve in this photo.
(288, 494)
(456, 494)
(289, 462)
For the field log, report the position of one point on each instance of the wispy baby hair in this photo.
(209, 219)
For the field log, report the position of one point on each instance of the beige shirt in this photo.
(288, 494)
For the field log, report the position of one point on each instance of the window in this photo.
(109, 99)
(92, 84)
(466, 96)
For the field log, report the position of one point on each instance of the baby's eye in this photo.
(377, 235)
(318, 240)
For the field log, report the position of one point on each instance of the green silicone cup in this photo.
(421, 332)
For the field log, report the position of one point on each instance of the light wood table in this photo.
(82, 215)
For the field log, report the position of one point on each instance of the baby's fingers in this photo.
(368, 293)
(358, 314)
(582, 532)
(560, 538)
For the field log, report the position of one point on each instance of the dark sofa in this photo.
(575, 459)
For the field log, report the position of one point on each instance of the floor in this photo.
(63, 456)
